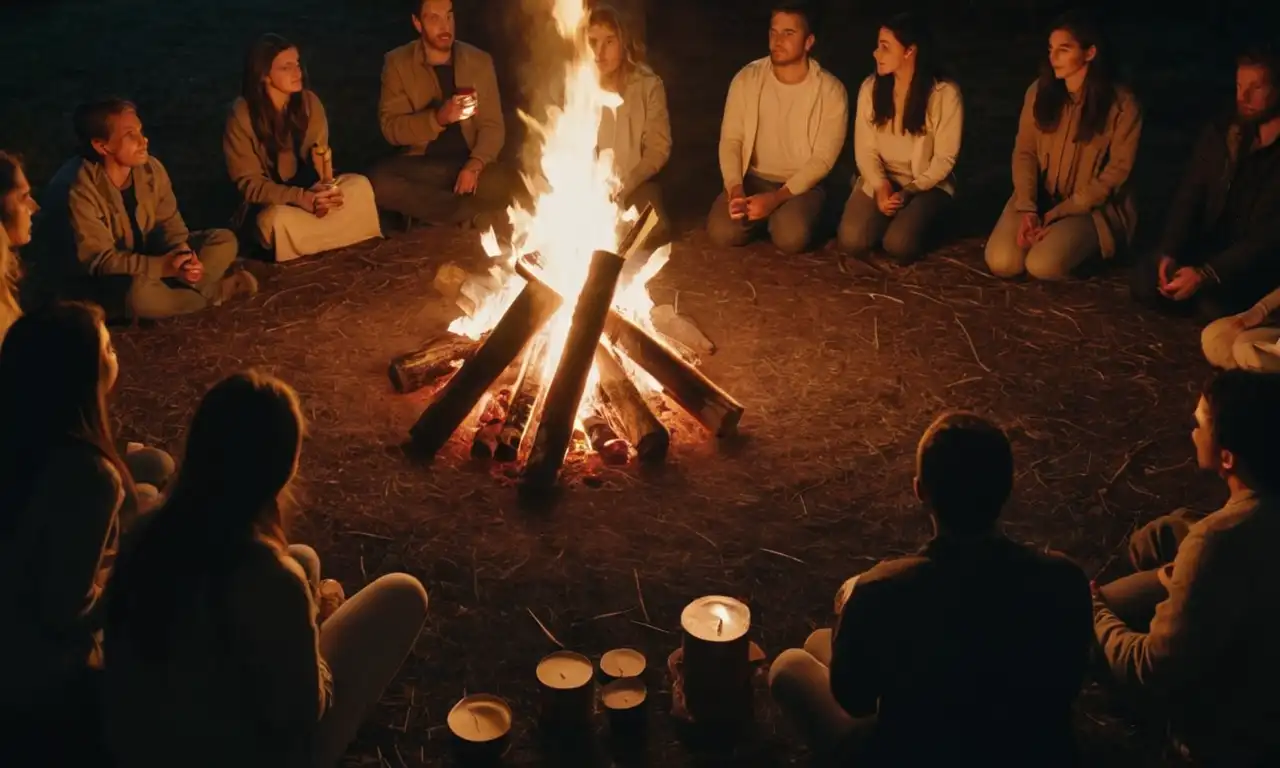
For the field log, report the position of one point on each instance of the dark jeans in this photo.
(1209, 303)
(422, 188)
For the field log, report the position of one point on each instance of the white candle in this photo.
(565, 670)
(480, 718)
(716, 619)
(622, 695)
(623, 662)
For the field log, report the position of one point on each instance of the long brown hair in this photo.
(275, 129)
(910, 29)
(633, 50)
(1099, 91)
(10, 267)
(52, 395)
(232, 490)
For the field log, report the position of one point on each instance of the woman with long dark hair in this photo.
(64, 491)
(215, 653)
(1077, 141)
(276, 144)
(907, 131)
(17, 206)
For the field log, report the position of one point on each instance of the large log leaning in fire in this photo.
(439, 356)
(714, 408)
(531, 310)
(523, 400)
(564, 395)
(627, 412)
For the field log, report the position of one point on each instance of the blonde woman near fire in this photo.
(637, 133)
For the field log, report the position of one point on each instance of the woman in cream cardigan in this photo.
(1249, 340)
(637, 133)
(276, 144)
(17, 206)
(906, 138)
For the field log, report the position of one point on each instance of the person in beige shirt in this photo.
(1193, 635)
(440, 106)
(1249, 340)
(1077, 141)
(276, 144)
(637, 134)
(784, 124)
(17, 206)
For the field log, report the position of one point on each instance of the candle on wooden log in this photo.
(564, 394)
(480, 724)
(568, 692)
(624, 701)
(524, 399)
(492, 415)
(622, 663)
(714, 408)
(717, 659)
(627, 411)
(440, 356)
(531, 310)
(604, 441)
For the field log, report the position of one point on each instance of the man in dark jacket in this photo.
(1220, 251)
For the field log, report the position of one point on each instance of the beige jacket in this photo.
(260, 179)
(410, 95)
(641, 130)
(1081, 178)
(933, 154)
(86, 213)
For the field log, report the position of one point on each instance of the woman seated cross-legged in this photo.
(1248, 340)
(219, 652)
(276, 136)
(1077, 141)
(907, 132)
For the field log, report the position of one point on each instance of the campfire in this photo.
(564, 312)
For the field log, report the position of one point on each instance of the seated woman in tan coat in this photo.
(637, 133)
(16, 208)
(277, 148)
(1077, 141)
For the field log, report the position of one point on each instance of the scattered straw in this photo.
(640, 594)
(543, 627)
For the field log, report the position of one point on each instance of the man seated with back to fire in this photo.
(440, 105)
(970, 652)
(1220, 252)
(784, 125)
(1193, 635)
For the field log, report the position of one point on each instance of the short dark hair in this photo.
(799, 8)
(1244, 417)
(1261, 54)
(92, 120)
(964, 464)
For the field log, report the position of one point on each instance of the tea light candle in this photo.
(567, 691)
(717, 663)
(624, 700)
(480, 723)
(716, 619)
(622, 663)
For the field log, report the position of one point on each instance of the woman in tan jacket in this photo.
(277, 147)
(1077, 141)
(17, 206)
(637, 133)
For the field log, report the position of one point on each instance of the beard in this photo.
(1268, 114)
(442, 43)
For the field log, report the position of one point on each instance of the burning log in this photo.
(560, 410)
(485, 441)
(524, 398)
(626, 410)
(531, 310)
(439, 356)
(605, 442)
(714, 408)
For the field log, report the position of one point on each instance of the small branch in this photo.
(640, 594)
(972, 348)
(783, 554)
(369, 535)
(543, 627)
(962, 265)
(650, 626)
(1128, 458)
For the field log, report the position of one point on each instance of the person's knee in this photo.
(818, 644)
(1155, 543)
(1004, 260)
(903, 244)
(405, 593)
(853, 235)
(790, 233)
(355, 184)
(308, 560)
(791, 673)
(219, 250)
(1218, 342)
(151, 465)
(1044, 264)
(723, 231)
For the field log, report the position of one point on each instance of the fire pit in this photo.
(564, 311)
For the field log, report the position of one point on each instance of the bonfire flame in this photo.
(574, 211)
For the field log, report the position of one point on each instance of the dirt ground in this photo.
(839, 374)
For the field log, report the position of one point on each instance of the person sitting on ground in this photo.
(275, 136)
(785, 120)
(968, 653)
(440, 104)
(1192, 635)
(637, 133)
(16, 209)
(1077, 141)
(1218, 255)
(218, 645)
(116, 231)
(906, 139)
(65, 493)
(1243, 341)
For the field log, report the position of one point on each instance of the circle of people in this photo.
(238, 649)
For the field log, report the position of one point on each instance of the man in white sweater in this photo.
(784, 126)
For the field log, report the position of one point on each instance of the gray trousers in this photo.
(800, 683)
(790, 226)
(364, 643)
(155, 299)
(1134, 598)
(903, 236)
(422, 189)
(1067, 244)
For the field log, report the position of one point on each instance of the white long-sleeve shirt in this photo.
(915, 163)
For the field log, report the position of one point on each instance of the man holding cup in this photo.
(441, 106)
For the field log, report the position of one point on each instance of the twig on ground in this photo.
(363, 574)
(962, 265)
(650, 626)
(700, 535)
(1128, 458)
(400, 757)
(754, 295)
(543, 627)
(875, 331)
(640, 594)
(1069, 318)
(782, 554)
(379, 537)
(972, 348)
(965, 380)
(611, 614)
(475, 575)
(278, 294)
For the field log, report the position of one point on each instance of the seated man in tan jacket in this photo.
(440, 104)
(116, 231)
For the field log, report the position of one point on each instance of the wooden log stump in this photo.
(531, 310)
(524, 400)
(438, 357)
(564, 395)
(626, 410)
